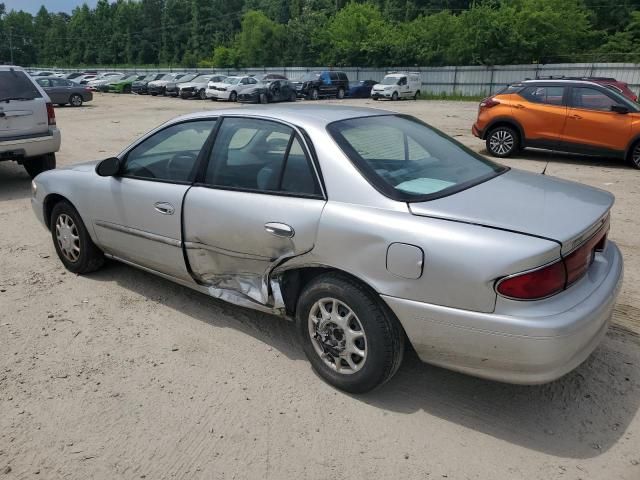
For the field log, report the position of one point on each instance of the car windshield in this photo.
(311, 76)
(408, 160)
(390, 80)
(16, 85)
(169, 76)
(131, 77)
(202, 79)
(232, 80)
(188, 77)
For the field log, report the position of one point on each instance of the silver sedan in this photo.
(368, 228)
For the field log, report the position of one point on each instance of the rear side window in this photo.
(260, 155)
(15, 84)
(546, 95)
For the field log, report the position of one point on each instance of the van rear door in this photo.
(23, 107)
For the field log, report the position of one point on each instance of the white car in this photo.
(230, 88)
(397, 85)
(28, 132)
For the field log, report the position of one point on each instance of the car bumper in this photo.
(218, 94)
(30, 147)
(172, 93)
(531, 348)
(476, 131)
(381, 94)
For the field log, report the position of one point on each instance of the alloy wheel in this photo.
(635, 156)
(501, 142)
(76, 100)
(337, 336)
(68, 237)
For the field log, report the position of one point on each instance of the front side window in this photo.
(546, 95)
(260, 155)
(592, 99)
(170, 154)
(407, 160)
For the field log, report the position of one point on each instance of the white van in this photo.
(28, 132)
(397, 85)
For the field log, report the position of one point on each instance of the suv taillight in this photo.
(489, 102)
(553, 278)
(51, 114)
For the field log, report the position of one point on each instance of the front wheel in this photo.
(634, 155)
(75, 100)
(263, 98)
(350, 337)
(417, 95)
(502, 142)
(202, 94)
(72, 242)
(293, 97)
(394, 96)
(340, 93)
(37, 165)
(314, 95)
(233, 97)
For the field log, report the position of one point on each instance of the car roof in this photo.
(300, 115)
(6, 68)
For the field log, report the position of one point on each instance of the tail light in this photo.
(51, 114)
(489, 102)
(555, 277)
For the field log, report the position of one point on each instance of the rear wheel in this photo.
(351, 339)
(37, 165)
(75, 100)
(293, 97)
(72, 242)
(502, 141)
(634, 155)
(417, 95)
(126, 89)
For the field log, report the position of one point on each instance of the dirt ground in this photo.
(124, 375)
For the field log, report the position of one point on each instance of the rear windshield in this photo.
(408, 160)
(15, 84)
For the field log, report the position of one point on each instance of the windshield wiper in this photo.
(8, 99)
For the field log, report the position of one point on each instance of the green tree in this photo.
(260, 41)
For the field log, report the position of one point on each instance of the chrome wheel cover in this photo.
(502, 142)
(337, 336)
(76, 101)
(68, 238)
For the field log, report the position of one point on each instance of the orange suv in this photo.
(563, 115)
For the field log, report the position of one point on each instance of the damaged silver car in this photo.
(368, 228)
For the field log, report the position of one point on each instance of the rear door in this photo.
(591, 125)
(61, 90)
(23, 108)
(258, 203)
(542, 112)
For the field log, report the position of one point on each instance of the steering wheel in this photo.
(172, 169)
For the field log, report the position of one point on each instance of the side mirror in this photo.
(108, 167)
(619, 109)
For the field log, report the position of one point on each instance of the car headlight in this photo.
(34, 188)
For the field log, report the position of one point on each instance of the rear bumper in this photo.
(30, 147)
(477, 132)
(526, 349)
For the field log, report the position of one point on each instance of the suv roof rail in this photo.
(392, 72)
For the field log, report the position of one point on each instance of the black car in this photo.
(327, 83)
(269, 92)
(172, 89)
(362, 89)
(140, 87)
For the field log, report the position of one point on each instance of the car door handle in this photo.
(279, 229)
(575, 117)
(164, 208)
(519, 106)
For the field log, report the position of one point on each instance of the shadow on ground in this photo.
(579, 416)
(14, 181)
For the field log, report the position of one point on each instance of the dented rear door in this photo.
(258, 204)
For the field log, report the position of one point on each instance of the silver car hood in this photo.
(82, 167)
(527, 203)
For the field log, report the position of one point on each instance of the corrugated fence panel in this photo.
(449, 80)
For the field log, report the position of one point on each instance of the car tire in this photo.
(202, 94)
(37, 165)
(233, 97)
(417, 95)
(380, 345)
(394, 96)
(340, 94)
(126, 89)
(72, 242)
(293, 97)
(375, 99)
(314, 95)
(634, 155)
(153, 94)
(263, 98)
(75, 100)
(502, 141)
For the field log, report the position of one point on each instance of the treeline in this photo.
(237, 33)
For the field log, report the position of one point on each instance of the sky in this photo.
(32, 6)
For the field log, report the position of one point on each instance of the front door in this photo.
(591, 125)
(258, 204)
(138, 214)
(542, 112)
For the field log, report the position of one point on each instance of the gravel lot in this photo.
(124, 375)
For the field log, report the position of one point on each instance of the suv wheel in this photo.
(37, 165)
(634, 155)
(351, 339)
(75, 100)
(340, 93)
(314, 95)
(394, 96)
(502, 142)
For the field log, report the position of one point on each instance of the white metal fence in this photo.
(473, 80)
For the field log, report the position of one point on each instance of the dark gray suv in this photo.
(326, 83)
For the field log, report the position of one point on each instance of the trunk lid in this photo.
(527, 203)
